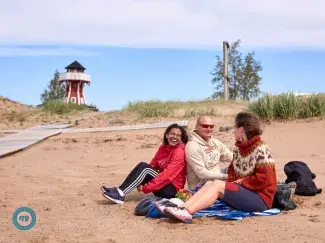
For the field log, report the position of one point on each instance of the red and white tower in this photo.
(75, 80)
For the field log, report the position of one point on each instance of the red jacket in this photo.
(170, 162)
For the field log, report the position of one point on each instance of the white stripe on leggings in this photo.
(139, 179)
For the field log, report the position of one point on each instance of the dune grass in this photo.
(16, 116)
(184, 109)
(60, 108)
(288, 106)
(151, 108)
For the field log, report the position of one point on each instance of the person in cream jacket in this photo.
(203, 154)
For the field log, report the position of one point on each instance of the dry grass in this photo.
(186, 109)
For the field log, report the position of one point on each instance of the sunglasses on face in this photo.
(207, 126)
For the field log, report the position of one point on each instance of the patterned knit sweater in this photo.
(254, 166)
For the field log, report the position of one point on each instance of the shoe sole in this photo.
(172, 216)
(102, 189)
(112, 199)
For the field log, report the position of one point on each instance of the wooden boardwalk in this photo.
(183, 123)
(26, 138)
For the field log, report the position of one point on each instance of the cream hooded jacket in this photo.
(203, 158)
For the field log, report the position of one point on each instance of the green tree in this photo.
(244, 78)
(54, 90)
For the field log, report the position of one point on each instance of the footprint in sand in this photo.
(314, 218)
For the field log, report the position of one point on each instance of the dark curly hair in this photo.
(250, 122)
(184, 136)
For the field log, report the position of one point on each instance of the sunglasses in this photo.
(207, 126)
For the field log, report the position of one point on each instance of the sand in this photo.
(60, 180)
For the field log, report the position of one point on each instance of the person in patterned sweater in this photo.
(251, 183)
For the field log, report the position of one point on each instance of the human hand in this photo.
(139, 188)
(238, 181)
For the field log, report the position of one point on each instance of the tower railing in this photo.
(74, 76)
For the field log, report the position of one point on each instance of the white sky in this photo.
(198, 24)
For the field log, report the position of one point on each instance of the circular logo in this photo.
(24, 218)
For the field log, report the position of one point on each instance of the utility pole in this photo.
(225, 62)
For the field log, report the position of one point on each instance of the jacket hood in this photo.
(195, 137)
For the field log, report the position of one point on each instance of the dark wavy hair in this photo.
(250, 122)
(184, 136)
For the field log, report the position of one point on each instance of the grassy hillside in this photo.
(285, 106)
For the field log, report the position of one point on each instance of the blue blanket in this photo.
(220, 210)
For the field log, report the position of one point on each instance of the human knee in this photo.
(217, 183)
(209, 183)
(141, 164)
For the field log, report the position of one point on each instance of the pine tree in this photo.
(54, 91)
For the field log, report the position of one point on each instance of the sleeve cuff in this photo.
(145, 190)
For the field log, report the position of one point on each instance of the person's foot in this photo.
(106, 189)
(162, 204)
(114, 196)
(180, 214)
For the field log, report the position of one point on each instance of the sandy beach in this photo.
(60, 180)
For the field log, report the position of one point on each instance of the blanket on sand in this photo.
(220, 210)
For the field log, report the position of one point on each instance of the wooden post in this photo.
(225, 62)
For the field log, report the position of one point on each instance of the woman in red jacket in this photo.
(164, 176)
(251, 183)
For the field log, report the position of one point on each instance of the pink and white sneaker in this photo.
(180, 214)
(161, 205)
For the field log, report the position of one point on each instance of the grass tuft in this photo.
(288, 106)
(60, 108)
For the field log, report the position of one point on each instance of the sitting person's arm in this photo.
(226, 155)
(175, 166)
(231, 174)
(154, 161)
(194, 158)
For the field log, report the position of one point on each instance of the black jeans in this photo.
(141, 174)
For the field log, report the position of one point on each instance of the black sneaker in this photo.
(106, 189)
(114, 196)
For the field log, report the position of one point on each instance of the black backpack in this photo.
(300, 173)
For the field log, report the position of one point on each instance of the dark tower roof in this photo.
(75, 65)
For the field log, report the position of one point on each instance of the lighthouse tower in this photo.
(75, 80)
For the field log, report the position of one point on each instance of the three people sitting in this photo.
(249, 184)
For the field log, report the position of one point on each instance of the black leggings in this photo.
(141, 174)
